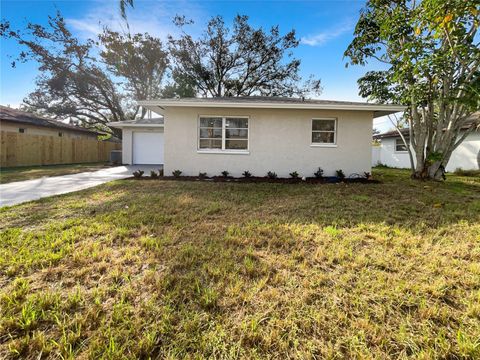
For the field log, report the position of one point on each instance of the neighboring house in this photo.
(258, 134)
(12, 120)
(28, 139)
(393, 152)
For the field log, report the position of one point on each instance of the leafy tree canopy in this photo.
(98, 80)
(431, 49)
(239, 61)
(92, 82)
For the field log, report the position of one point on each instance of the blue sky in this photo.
(325, 28)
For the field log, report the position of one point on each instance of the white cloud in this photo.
(154, 18)
(325, 36)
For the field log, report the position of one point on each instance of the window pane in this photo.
(400, 146)
(323, 125)
(210, 144)
(323, 137)
(211, 122)
(236, 133)
(210, 133)
(236, 123)
(236, 144)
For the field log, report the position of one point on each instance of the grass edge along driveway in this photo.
(8, 175)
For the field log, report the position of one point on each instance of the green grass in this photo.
(172, 269)
(8, 175)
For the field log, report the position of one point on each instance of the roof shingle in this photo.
(23, 117)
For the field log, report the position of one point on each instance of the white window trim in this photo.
(331, 145)
(223, 150)
(395, 146)
(228, 151)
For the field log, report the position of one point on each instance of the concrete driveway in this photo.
(23, 191)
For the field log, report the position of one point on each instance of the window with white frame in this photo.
(400, 145)
(324, 131)
(223, 133)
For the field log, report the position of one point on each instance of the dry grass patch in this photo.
(140, 269)
(21, 173)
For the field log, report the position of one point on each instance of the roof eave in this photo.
(378, 110)
(121, 125)
(53, 126)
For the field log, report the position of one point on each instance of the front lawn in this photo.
(8, 175)
(174, 269)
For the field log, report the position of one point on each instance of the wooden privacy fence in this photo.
(19, 149)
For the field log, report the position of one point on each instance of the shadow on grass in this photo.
(178, 269)
(397, 201)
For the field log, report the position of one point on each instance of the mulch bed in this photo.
(255, 179)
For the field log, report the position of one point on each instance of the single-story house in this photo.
(27, 139)
(258, 134)
(392, 151)
(13, 120)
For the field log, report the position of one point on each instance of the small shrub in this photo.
(202, 175)
(176, 173)
(138, 174)
(319, 173)
(367, 175)
(294, 175)
(247, 174)
(272, 175)
(225, 173)
(340, 174)
(462, 172)
(153, 174)
(160, 172)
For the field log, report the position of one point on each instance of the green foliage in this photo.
(319, 173)
(462, 172)
(421, 43)
(247, 174)
(138, 174)
(153, 174)
(294, 175)
(225, 173)
(176, 173)
(239, 60)
(202, 175)
(430, 57)
(93, 82)
(139, 60)
(272, 175)
(434, 156)
(340, 174)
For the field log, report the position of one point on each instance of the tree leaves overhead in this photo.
(431, 50)
(240, 61)
(97, 81)
(123, 7)
(139, 58)
(70, 82)
(88, 85)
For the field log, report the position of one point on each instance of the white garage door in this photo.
(147, 147)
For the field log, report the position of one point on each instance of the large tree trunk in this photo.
(420, 168)
(429, 171)
(436, 171)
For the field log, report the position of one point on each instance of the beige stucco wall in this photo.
(127, 146)
(45, 131)
(279, 141)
